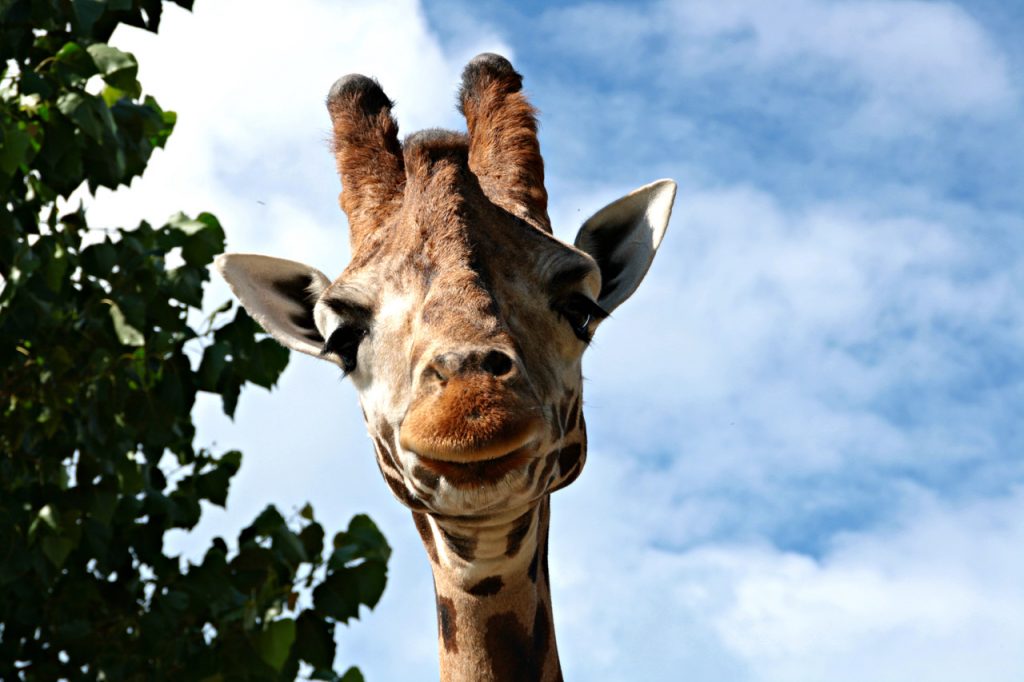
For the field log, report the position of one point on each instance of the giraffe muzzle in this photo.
(469, 418)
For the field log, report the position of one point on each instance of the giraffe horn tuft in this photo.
(367, 151)
(504, 152)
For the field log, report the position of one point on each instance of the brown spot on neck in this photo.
(446, 625)
(514, 655)
(463, 546)
(531, 572)
(488, 587)
(574, 412)
(520, 528)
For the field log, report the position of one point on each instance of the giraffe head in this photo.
(460, 319)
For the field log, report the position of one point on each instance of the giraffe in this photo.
(461, 322)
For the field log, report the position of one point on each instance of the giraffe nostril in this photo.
(496, 363)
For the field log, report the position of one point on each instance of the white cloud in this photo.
(907, 62)
(933, 596)
(936, 598)
(824, 339)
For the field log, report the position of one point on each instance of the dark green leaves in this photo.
(201, 239)
(314, 640)
(101, 358)
(357, 571)
(240, 353)
(362, 540)
(15, 145)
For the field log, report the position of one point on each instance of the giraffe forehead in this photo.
(473, 256)
(445, 223)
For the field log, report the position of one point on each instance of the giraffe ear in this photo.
(279, 294)
(623, 237)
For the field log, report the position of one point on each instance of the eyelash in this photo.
(344, 342)
(580, 312)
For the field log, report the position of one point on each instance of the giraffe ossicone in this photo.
(462, 322)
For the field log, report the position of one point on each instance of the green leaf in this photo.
(314, 640)
(312, 537)
(269, 359)
(127, 334)
(250, 567)
(204, 238)
(99, 259)
(78, 60)
(336, 598)
(370, 579)
(88, 11)
(119, 69)
(362, 540)
(341, 592)
(57, 549)
(229, 391)
(112, 95)
(103, 504)
(213, 485)
(210, 369)
(56, 267)
(352, 675)
(289, 546)
(48, 516)
(177, 600)
(268, 521)
(89, 113)
(186, 285)
(275, 642)
(14, 145)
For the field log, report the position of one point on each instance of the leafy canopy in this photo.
(97, 460)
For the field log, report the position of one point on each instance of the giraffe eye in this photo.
(580, 312)
(344, 342)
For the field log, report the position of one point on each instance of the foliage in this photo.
(97, 460)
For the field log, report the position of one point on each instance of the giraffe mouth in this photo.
(471, 473)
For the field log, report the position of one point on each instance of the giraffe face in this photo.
(466, 360)
(460, 319)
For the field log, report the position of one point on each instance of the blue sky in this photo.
(807, 451)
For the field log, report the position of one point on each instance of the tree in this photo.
(97, 460)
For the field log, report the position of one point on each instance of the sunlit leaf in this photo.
(127, 334)
(119, 69)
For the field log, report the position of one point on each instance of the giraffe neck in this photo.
(493, 596)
